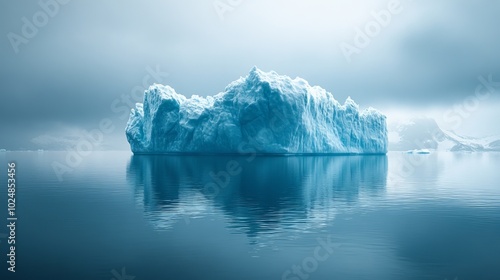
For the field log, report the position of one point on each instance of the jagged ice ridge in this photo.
(262, 112)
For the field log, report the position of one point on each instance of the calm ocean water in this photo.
(119, 216)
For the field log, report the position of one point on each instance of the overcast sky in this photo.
(72, 70)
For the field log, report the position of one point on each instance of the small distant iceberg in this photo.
(263, 112)
(3, 150)
(419, 152)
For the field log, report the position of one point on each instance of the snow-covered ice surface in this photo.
(263, 112)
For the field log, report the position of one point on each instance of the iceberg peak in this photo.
(255, 75)
(264, 111)
(255, 69)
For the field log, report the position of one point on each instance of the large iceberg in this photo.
(263, 113)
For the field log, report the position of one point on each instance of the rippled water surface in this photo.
(117, 215)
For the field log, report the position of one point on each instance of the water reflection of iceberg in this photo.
(266, 195)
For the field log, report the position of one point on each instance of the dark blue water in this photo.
(118, 216)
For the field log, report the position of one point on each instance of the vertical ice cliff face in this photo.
(262, 112)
